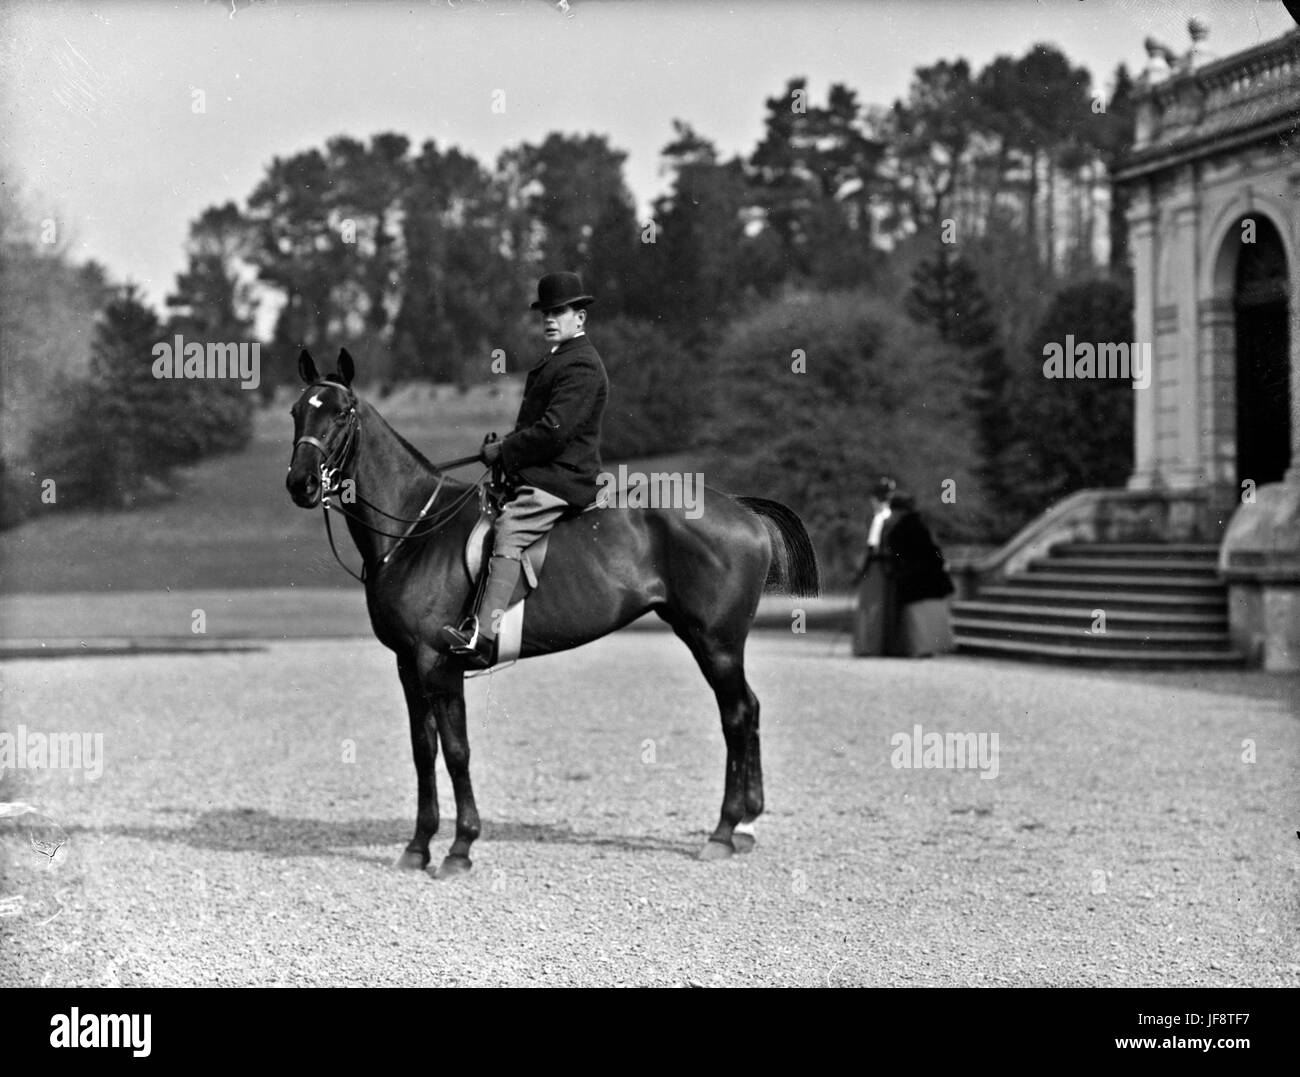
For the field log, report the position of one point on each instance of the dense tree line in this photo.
(968, 204)
(421, 259)
(86, 424)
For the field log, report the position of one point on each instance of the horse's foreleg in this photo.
(424, 747)
(447, 690)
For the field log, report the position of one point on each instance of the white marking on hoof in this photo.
(744, 828)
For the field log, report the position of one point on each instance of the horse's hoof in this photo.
(715, 850)
(453, 866)
(744, 843)
(412, 860)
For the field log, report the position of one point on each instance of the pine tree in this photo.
(212, 306)
(120, 429)
(813, 174)
(1070, 434)
(133, 410)
(946, 295)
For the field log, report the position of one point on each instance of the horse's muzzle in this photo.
(303, 483)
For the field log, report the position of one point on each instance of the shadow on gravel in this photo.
(251, 830)
(563, 835)
(1240, 683)
(1283, 688)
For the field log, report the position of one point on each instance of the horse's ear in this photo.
(347, 369)
(307, 367)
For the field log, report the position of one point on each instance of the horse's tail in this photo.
(793, 570)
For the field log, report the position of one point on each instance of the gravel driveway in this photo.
(250, 807)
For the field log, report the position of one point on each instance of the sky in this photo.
(100, 128)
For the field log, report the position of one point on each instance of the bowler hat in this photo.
(561, 290)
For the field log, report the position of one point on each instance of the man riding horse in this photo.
(551, 459)
(702, 574)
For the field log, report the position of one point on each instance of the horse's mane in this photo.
(419, 456)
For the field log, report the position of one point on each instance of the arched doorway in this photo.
(1263, 348)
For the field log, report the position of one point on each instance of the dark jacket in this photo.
(555, 444)
(914, 562)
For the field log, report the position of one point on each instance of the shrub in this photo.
(880, 395)
(1069, 434)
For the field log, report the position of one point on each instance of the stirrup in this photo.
(468, 627)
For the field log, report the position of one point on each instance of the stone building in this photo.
(1214, 226)
(1213, 190)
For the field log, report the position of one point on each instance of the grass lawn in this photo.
(232, 524)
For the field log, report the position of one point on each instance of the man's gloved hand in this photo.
(490, 453)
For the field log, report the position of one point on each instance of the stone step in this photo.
(1057, 652)
(1207, 601)
(1165, 584)
(1188, 550)
(1178, 617)
(1120, 565)
(1173, 639)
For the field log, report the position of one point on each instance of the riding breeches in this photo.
(524, 519)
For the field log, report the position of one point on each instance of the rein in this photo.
(335, 459)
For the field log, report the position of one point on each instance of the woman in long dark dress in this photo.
(874, 613)
(920, 583)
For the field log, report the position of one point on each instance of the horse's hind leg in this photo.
(723, 666)
(742, 838)
(424, 746)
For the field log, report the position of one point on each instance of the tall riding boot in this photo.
(477, 644)
(503, 577)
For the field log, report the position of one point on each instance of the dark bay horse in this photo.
(604, 569)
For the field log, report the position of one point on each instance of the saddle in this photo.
(478, 550)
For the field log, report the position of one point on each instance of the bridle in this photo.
(333, 460)
(336, 457)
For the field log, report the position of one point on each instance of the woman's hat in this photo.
(561, 290)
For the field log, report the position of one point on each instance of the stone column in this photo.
(1217, 323)
(1141, 227)
(1190, 471)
